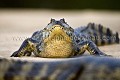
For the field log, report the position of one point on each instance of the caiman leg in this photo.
(90, 47)
(26, 49)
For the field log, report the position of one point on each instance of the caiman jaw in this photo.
(58, 44)
(58, 33)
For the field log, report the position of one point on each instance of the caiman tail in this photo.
(102, 35)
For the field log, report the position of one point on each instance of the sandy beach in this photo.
(17, 25)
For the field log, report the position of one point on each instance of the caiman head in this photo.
(57, 39)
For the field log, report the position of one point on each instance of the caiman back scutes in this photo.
(102, 34)
(39, 70)
(81, 68)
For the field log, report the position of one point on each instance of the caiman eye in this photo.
(52, 20)
(62, 20)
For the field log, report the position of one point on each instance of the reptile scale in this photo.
(59, 40)
(58, 49)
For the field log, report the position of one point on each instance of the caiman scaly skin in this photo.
(59, 40)
(79, 68)
(60, 46)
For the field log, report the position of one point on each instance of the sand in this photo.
(17, 25)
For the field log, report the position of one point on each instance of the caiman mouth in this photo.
(58, 44)
(57, 33)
